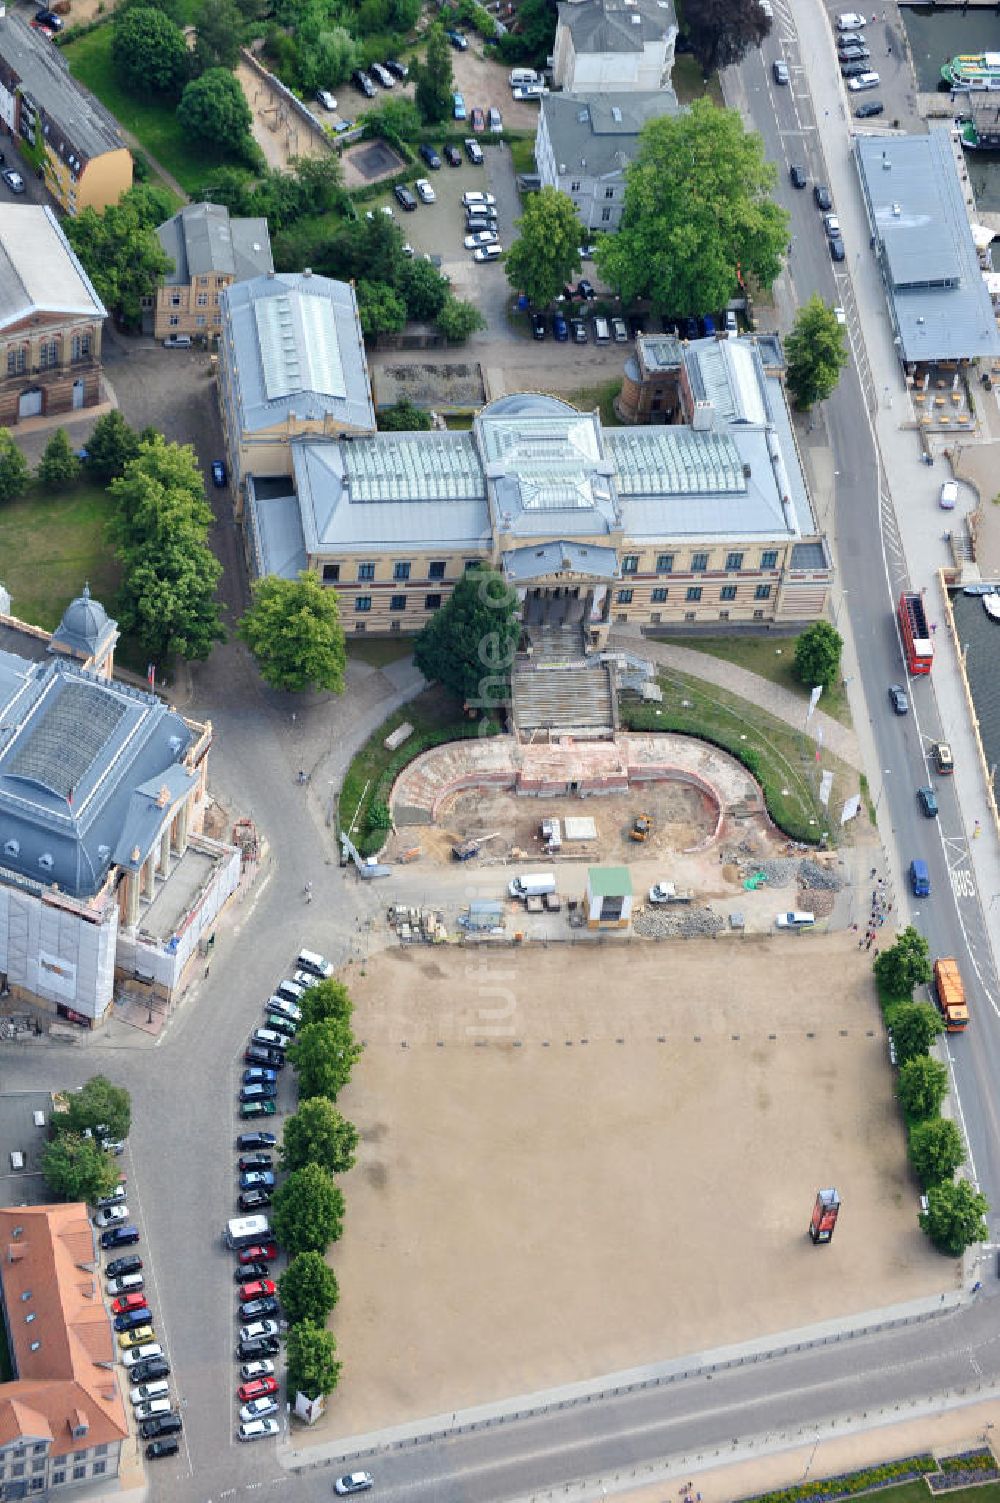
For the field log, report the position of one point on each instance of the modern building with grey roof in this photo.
(210, 251)
(293, 363)
(938, 301)
(704, 520)
(86, 161)
(102, 790)
(583, 144)
(604, 46)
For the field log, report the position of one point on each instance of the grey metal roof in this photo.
(728, 373)
(547, 472)
(69, 109)
(938, 300)
(616, 25)
(144, 816)
(75, 749)
(809, 556)
(294, 345)
(203, 240)
(85, 627)
(659, 352)
(598, 134)
(561, 557)
(39, 271)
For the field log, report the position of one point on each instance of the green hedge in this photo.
(850, 1483)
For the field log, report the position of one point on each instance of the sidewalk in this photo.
(779, 702)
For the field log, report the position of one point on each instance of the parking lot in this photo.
(619, 1131)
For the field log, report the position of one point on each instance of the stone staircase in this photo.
(576, 701)
(556, 644)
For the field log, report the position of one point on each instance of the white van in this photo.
(151, 1408)
(864, 81)
(316, 965)
(129, 1283)
(137, 1354)
(797, 920)
(602, 331)
(532, 885)
(143, 1392)
(520, 78)
(850, 21)
(245, 1231)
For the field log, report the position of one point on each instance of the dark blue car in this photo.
(257, 1073)
(560, 328)
(119, 1236)
(130, 1320)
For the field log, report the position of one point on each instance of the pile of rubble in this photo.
(817, 877)
(417, 925)
(677, 923)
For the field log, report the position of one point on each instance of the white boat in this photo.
(991, 605)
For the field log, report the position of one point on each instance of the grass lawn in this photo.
(771, 658)
(153, 122)
(689, 84)
(780, 757)
(377, 651)
(52, 545)
(522, 153)
(603, 396)
(919, 1492)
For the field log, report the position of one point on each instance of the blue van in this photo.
(920, 879)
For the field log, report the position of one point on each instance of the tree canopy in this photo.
(219, 26)
(327, 999)
(697, 214)
(111, 445)
(722, 32)
(160, 528)
(214, 108)
(434, 78)
(936, 1150)
(313, 1368)
(817, 655)
(149, 52)
(381, 310)
(324, 1054)
(915, 1026)
(318, 1134)
(905, 965)
(954, 1218)
(403, 417)
(308, 1289)
(119, 249)
(77, 1168)
(458, 319)
(816, 351)
(546, 253)
(469, 644)
(15, 471)
(98, 1107)
(922, 1086)
(308, 1211)
(293, 630)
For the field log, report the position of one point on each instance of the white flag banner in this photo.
(825, 785)
(851, 809)
(814, 700)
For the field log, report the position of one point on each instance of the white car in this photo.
(840, 316)
(140, 1353)
(795, 920)
(488, 252)
(424, 191)
(949, 495)
(258, 1429)
(144, 1392)
(262, 1369)
(110, 1216)
(354, 1482)
(306, 979)
(473, 196)
(482, 237)
(316, 965)
(326, 99)
(850, 21)
(129, 1283)
(258, 1328)
(116, 1198)
(258, 1409)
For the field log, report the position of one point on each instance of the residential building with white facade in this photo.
(606, 46)
(584, 145)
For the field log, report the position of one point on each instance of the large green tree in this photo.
(424, 289)
(214, 108)
(58, 466)
(904, 966)
(160, 528)
(458, 319)
(954, 1218)
(15, 472)
(722, 32)
(120, 252)
(817, 655)
(921, 1088)
(546, 253)
(698, 214)
(381, 309)
(311, 1353)
(327, 999)
(149, 52)
(936, 1150)
(434, 78)
(308, 1289)
(77, 1168)
(111, 445)
(318, 1134)
(98, 1107)
(219, 26)
(293, 630)
(816, 352)
(324, 1054)
(308, 1211)
(403, 417)
(914, 1026)
(470, 643)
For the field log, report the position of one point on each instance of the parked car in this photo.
(797, 176)
(585, 289)
(126, 1302)
(404, 197)
(473, 150)
(473, 196)
(257, 1329)
(258, 1409)
(864, 81)
(579, 330)
(148, 1369)
(898, 699)
(253, 1200)
(261, 1429)
(250, 1271)
(837, 251)
(326, 99)
(136, 1359)
(49, 19)
(831, 224)
(478, 120)
(259, 1309)
(133, 1319)
(163, 1424)
(453, 156)
(116, 1198)
(458, 40)
(257, 1054)
(255, 1140)
(139, 1336)
(361, 81)
(850, 21)
(821, 196)
(382, 75)
(152, 1409)
(250, 1109)
(560, 328)
(112, 1215)
(263, 1368)
(928, 802)
(797, 920)
(168, 1446)
(852, 67)
(119, 1236)
(457, 106)
(219, 475)
(257, 1289)
(277, 1022)
(870, 108)
(539, 326)
(175, 341)
(14, 180)
(948, 495)
(268, 1038)
(431, 157)
(779, 70)
(256, 1074)
(255, 1161)
(425, 192)
(130, 1263)
(354, 1482)
(129, 1283)
(257, 1179)
(494, 119)
(260, 1252)
(488, 252)
(397, 69)
(257, 1347)
(259, 1090)
(258, 1388)
(482, 237)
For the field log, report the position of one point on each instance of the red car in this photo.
(263, 1252)
(258, 1389)
(128, 1302)
(257, 1289)
(478, 120)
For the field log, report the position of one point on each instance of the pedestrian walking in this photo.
(977, 831)
(933, 627)
(868, 943)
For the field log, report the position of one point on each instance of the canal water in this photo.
(937, 35)
(982, 637)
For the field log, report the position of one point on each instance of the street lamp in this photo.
(885, 773)
(836, 615)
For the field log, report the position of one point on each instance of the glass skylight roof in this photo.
(70, 730)
(675, 461)
(426, 467)
(299, 347)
